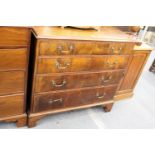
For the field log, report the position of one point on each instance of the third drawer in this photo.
(45, 83)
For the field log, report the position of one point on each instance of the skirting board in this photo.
(119, 97)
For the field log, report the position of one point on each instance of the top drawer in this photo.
(14, 36)
(68, 47)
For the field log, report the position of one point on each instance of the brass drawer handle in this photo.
(119, 50)
(110, 65)
(123, 74)
(107, 79)
(71, 48)
(100, 96)
(58, 85)
(112, 50)
(115, 62)
(60, 66)
(53, 101)
(59, 49)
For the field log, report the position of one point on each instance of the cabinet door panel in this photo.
(133, 72)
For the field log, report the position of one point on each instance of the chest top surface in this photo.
(106, 33)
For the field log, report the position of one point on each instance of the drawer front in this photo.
(66, 47)
(72, 81)
(60, 100)
(77, 64)
(11, 59)
(58, 65)
(109, 62)
(12, 82)
(11, 105)
(14, 36)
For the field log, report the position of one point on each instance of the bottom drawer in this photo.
(11, 105)
(59, 100)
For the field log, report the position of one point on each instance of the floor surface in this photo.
(137, 112)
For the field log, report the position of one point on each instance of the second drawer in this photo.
(72, 81)
(13, 59)
(12, 82)
(77, 64)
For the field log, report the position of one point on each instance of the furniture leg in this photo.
(108, 107)
(32, 120)
(21, 122)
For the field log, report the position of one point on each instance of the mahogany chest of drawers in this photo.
(76, 69)
(14, 55)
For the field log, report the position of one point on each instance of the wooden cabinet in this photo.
(135, 67)
(14, 56)
(76, 69)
